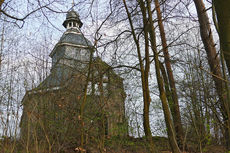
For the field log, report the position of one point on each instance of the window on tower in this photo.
(70, 24)
(74, 24)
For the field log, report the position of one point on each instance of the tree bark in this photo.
(1, 47)
(222, 8)
(214, 63)
(175, 107)
(83, 103)
(167, 113)
(144, 80)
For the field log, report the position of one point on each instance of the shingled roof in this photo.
(74, 38)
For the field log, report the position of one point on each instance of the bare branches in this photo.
(22, 19)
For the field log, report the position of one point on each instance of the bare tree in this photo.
(214, 63)
(222, 9)
(174, 105)
(144, 74)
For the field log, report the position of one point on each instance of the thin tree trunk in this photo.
(82, 107)
(102, 116)
(214, 63)
(1, 47)
(175, 107)
(205, 98)
(146, 72)
(167, 113)
(166, 83)
(144, 80)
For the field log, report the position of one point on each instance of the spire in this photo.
(73, 4)
(72, 19)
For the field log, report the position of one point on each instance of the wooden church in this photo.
(51, 111)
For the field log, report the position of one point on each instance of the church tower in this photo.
(51, 110)
(71, 54)
(73, 47)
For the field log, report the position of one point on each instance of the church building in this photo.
(51, 111)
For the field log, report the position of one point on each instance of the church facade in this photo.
(51, 111)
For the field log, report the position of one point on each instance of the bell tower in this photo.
(73, 49)
(72, 21)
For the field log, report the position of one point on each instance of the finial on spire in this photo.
(72, 19)
(73, 4)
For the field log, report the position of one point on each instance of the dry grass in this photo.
(113, 145)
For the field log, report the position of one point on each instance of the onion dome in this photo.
(72, 20)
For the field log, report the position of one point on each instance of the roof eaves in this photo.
(67, 44)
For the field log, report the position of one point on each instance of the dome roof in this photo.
(72, 16)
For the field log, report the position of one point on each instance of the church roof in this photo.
(73, 38)
(62, 74)
(70, 36)
(57, 78)
(72, 16)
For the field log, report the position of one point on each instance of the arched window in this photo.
(70, 24)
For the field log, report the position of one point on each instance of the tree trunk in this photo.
(167, 113)
(166, 84)
(222, 8)
(144, 80)
(83, 103)
(214, 63)
(1, 47)
(175, 107)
